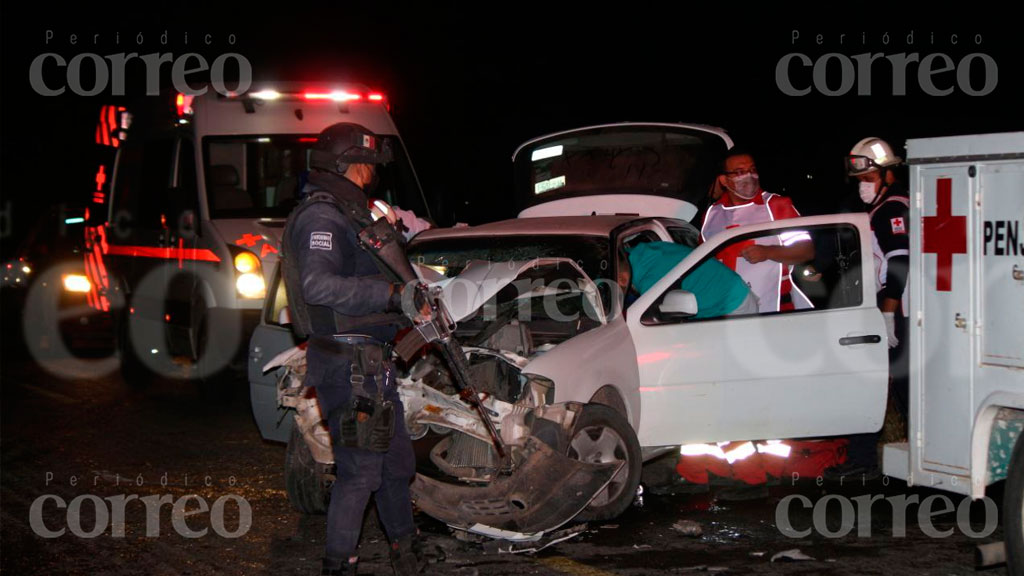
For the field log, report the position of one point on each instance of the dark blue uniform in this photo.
(890, 222)
(345, 293)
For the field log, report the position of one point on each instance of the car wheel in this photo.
(602, 435)
(1013, 512)
(307, 489)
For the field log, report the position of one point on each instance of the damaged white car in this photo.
(581, 382)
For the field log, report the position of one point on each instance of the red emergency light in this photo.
(183, 103)
(338, 96)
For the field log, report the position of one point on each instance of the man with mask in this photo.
(872, 162)
(764, 263)
(351, 310)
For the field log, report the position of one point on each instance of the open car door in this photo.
(817, 371)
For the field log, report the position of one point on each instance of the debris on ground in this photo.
(532, 547)
(689, 528)
(794, 555)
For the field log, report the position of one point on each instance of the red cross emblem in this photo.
(944, 235)
(101, 178)
(248, 239)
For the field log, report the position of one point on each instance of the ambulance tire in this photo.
(133, 371)
(308, 490)
(217, 386)
(601, 434)
(1013, 512)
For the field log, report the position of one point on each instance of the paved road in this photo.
(99, 439)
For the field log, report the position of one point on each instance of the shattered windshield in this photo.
(450, 255)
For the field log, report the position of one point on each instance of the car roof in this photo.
(599, 225)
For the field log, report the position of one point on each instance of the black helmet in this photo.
(343, 144)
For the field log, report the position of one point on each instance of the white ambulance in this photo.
(967, 323)
(190, 218)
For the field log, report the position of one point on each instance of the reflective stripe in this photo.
(895, 253)
(200, 254)
(790, 238)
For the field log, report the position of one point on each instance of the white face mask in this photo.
(867, 192)
(745, 186)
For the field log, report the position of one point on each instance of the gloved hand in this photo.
(890, 328)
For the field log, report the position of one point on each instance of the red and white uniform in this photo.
(770, 281)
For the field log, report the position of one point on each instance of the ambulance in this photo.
(967, 325)
(187, 214)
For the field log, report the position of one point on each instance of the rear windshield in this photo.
(659, 160)
(258, 176)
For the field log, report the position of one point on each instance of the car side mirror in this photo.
(678, 303)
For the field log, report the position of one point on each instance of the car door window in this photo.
(831, 280)
(277, 299)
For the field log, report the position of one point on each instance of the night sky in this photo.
(469, 83)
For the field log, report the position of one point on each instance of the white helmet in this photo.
(870, 154)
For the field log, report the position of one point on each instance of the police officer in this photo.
(350, 310)
(872, 162)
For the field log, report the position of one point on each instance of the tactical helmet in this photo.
(343, 144)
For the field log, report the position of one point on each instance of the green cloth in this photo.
(718, 289)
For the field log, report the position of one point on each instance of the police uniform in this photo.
(351, 309)
(770, 281)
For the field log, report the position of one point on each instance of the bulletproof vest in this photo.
(309, 319)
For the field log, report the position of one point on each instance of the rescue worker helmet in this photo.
(870, 154)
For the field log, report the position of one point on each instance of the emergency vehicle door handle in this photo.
(851, 340)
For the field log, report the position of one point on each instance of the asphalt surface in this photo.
(99, 439)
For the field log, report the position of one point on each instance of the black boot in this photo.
(407, 556)
(332, 568)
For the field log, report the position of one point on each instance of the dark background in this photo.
(468, 83)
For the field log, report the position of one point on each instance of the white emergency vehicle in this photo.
(188, 216)
(967, 323)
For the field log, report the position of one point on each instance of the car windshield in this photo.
(262, 176)
(450, 255)
(667, 161)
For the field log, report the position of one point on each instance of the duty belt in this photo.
(350, 345)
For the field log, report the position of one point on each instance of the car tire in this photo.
(601, 434)
(1013, 512)
(307, 488)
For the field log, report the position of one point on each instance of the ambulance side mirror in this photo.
(678, 304)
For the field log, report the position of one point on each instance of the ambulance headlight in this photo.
(76, 283)
(251, 285)
(246, 262)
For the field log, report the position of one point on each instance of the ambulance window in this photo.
(831, 279)
(142, 181)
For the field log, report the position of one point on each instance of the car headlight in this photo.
(76, 283)
(540, 389)
(251, 285)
